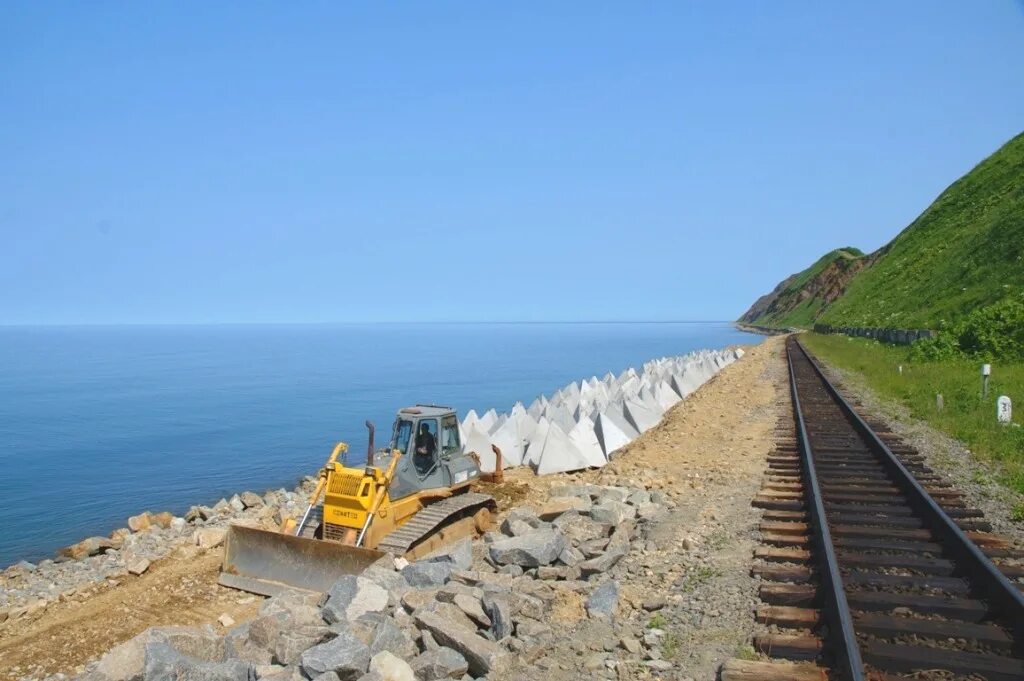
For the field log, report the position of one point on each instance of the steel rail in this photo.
(848, 664)
(1002, 596)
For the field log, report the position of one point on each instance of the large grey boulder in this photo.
(580, 528)
(453, 589)
(389, 579)
(521, 514)
(87, 547)
(352, 596)
(591, 548)
(293, 642)
(481, 654)
(346, 656)
(618, 546)
(500, 613)
(472, 607)
(250, 499)
(459, 555)
(363, 628)
(417, 598)
(612, 493)
(425, 574)
(604, 600)
(512, 528)
(526, 605)
(391, 667)
(556, 506)
(639, 498)
(540, 547)
(449, 612)
(571, 556)
(440, 663)
(264, 631)
(202, 643)
(238, 645)
(612, 512)
(388, 636)
(164, 663)
(126, 662)
(293, 608)
(529, 628)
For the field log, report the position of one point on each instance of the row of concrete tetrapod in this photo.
(583, 424)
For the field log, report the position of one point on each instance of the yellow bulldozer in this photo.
(409, 499)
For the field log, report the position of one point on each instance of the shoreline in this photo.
(150, 536)
(218, 441)
(761, 330)
(698, 524)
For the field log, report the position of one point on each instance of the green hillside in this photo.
(960, 257)
(800, 298)
(964, 252)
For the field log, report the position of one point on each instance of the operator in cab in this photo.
(426, 446)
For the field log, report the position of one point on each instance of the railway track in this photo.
(873, 566)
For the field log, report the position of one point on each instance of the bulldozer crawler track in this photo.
(314, 523)
(432, 518)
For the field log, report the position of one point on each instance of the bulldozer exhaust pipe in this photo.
(369, 445)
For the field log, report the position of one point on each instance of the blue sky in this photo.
(264, 162)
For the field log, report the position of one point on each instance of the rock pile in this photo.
(462, 613)
(583, 424)
(27, 588)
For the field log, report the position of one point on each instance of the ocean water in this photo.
(99, 423)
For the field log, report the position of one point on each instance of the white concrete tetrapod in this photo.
(586, 442)
(508, 439)
(479, 442)
(488, 419)
(609, 435)
(558, 453)
(642, 418)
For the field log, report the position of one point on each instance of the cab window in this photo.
(449, 436)
(403, 433)
(426, 438)
(425, 447)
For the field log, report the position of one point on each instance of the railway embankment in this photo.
(873, 563)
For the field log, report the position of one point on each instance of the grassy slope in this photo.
(965, 251)
(966, 416)
(804, 312)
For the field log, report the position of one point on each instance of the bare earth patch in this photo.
(180, 589)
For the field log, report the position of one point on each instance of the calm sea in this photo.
(99, 423)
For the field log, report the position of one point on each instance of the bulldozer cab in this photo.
(427, 436)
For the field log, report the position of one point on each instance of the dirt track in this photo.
(181, 589)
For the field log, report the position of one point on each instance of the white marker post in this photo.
(986, 371)
(1004, 410)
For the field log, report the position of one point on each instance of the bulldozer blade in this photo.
(266, 563)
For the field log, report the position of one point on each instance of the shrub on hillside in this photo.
(943, 346)
(994, 332)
